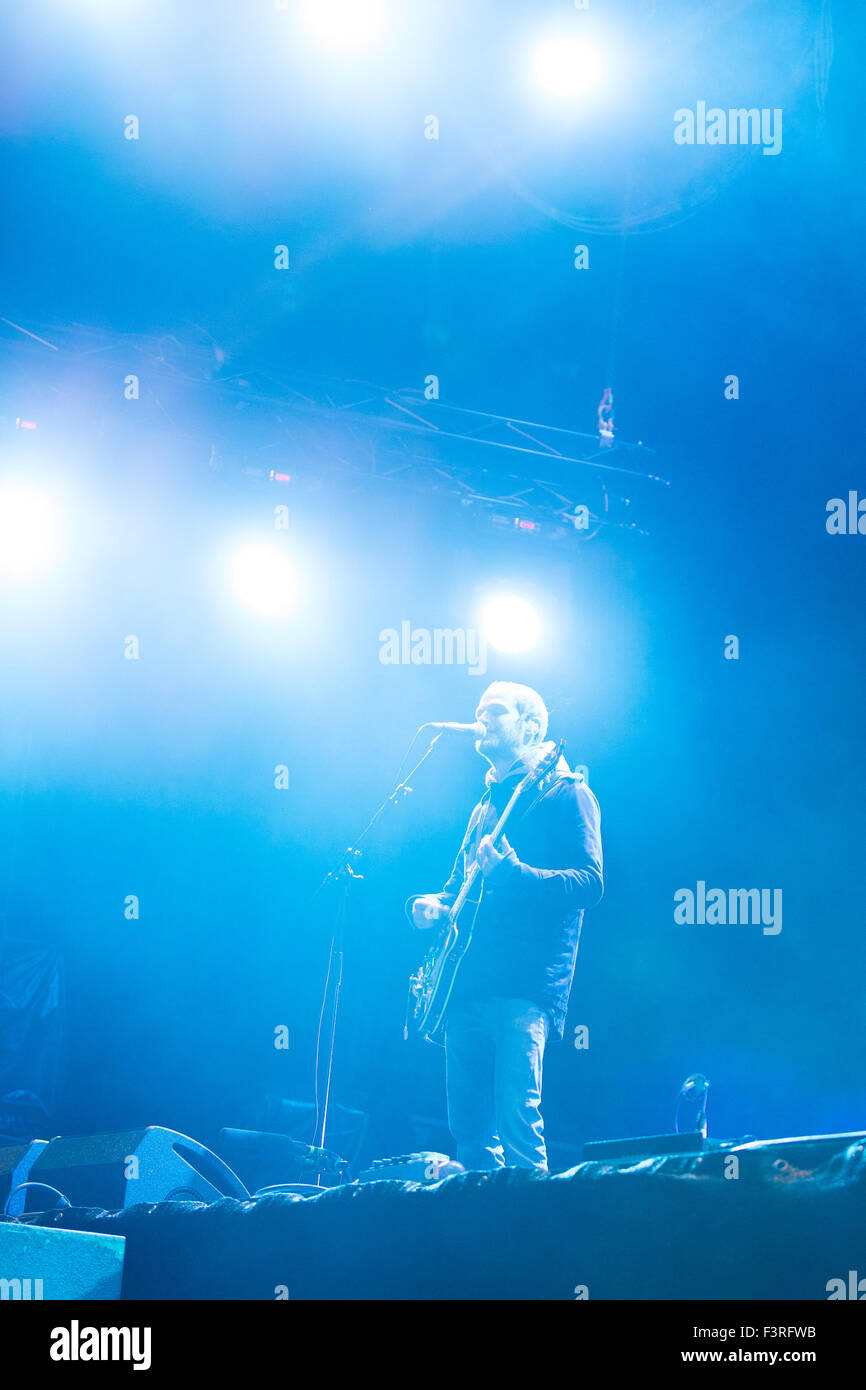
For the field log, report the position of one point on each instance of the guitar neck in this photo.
(472, 873)
(503, 819)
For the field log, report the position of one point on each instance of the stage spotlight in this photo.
(29, 529)
(567, 66)
(344, 23)
(264, 578)
(510, 624)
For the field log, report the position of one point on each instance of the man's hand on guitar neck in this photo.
(489, 857)
(428, 910)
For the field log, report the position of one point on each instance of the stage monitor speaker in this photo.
(15, 1164)
(38, 1263)
(135, 1165)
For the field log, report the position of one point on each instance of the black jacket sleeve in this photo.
(578, 846)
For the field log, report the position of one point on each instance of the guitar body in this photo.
(431, 986)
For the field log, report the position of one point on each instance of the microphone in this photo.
(477, 730)
(694, 1087)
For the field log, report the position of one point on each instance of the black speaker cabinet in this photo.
(15, 1164)
(135, 1165)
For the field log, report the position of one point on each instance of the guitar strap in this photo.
(541, 790)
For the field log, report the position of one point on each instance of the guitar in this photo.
(431, 986)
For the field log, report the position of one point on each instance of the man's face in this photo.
(504, 727)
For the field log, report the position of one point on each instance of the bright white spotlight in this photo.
(567, 66)
(264, 578)
(344, 23)
(510, 624)
(29, 529)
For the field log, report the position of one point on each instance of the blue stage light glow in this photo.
(264, 578)
(567, 65)
(510, 623)
(30, 529)
(344, 23)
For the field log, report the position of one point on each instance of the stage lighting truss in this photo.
(516, 474)
(314, 432)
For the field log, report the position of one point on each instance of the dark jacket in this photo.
(527, 927)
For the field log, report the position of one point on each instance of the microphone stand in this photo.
(344, 873)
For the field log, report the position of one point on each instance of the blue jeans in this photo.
(493, 1055)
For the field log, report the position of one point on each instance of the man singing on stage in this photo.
(513, 985)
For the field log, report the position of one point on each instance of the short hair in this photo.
(527, 701)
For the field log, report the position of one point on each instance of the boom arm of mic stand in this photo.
(344, 868)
